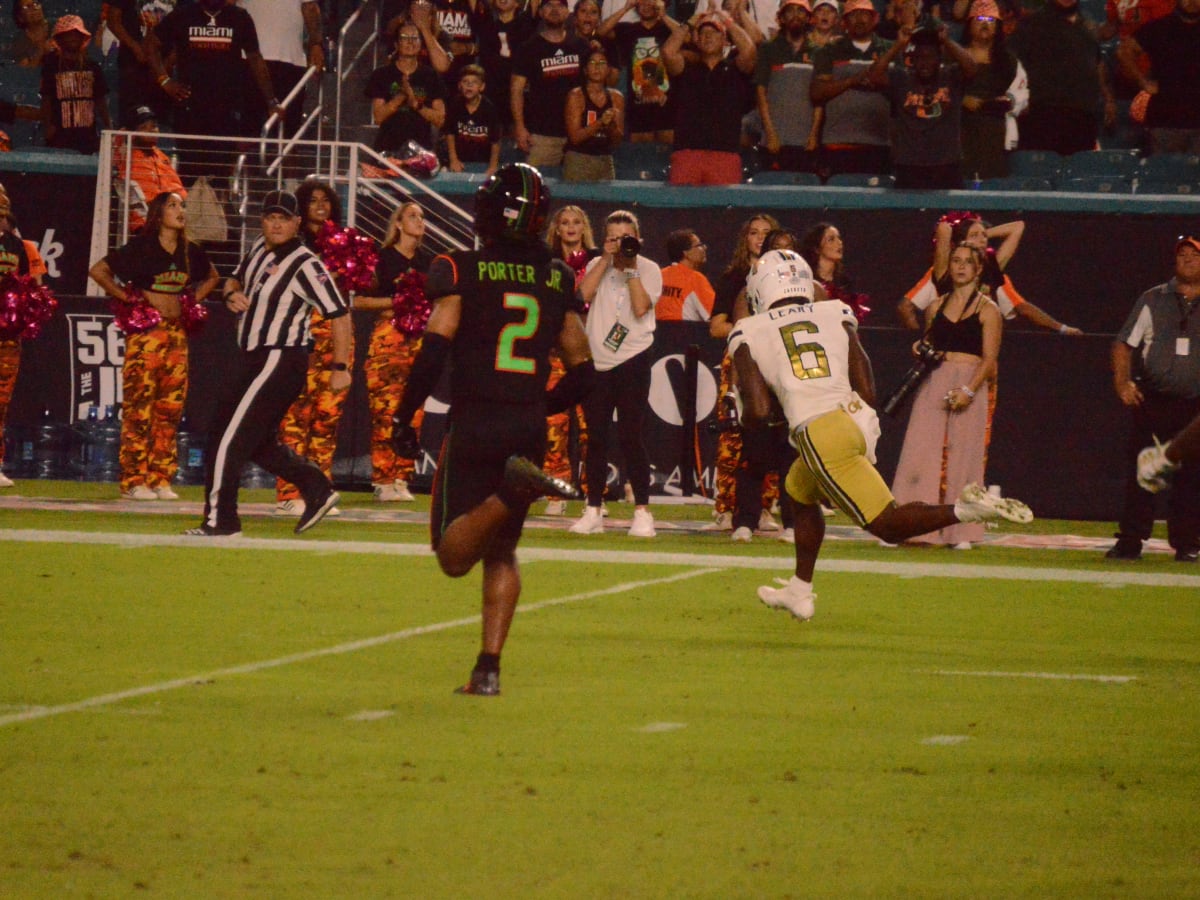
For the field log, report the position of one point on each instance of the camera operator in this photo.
(621, 287)
(948, 425)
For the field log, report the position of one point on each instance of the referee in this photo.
(273, 292)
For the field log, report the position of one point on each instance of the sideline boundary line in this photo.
(1109, 577)
(1050, 676)
(43, 712)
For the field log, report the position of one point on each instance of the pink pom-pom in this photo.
(410, 307)
(856, 302)
(192, 312)
(349, 255)
(25, 306)
(135, 314)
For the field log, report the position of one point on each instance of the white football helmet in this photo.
(778, 274)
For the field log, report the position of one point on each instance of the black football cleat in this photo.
(525, 482)
(482, 684)
(316, 510)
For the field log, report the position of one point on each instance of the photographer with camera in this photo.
(621, 286)
(944, 446)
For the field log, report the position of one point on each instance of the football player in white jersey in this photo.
(804, 359)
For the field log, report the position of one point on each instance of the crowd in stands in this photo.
(936, 95)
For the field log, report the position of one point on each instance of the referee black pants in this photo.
(246, 427)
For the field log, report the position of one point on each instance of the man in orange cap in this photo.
(856, 133)
(782, 78)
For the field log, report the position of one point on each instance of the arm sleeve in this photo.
(442, 280)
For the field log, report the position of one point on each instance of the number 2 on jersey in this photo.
(809, 360)
(506, 359)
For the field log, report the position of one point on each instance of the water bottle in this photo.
(255, 476)
(84, 453)
(977, 183)
(106, 448)
(190, 452)
(50, 448)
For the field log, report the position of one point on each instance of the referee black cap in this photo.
(281, 202)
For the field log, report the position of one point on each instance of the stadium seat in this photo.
(1039, 163)
(1025, 183)
(860, 180)
(642, 161)
(1181, 167)
(1097, 184)
(802, 179)
(1121, 163)
(1166, 186)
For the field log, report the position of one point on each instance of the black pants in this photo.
(764, 450)
(246, 427)
(1162, 416)
(1058, 128)
(625, 389)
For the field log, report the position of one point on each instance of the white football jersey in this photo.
(803, 352)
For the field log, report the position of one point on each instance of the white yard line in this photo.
(41, 712)
(1107, 576)
(1050, 676)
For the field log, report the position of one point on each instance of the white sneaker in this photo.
(791, 596)
(591, 522)
(556, 507)
(403, 494)
(788, 536)
(721, 522)
(387, 493)
(975, 504)
(828, 511)
(139, 492)
(766, 522)
(643, 524)
(604, 509)
(334, 512)
(628, 492)
(1154, 469)
(742, 535)
(292, 509)
(5, 481)
(164, 492)
(961, 545)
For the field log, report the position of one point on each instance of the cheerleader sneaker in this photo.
(290, 509)
(164, 492)
(403, 494)
(139, 492)
(5, 481)
(766, 522)
(591, 522)
(556, 508)
(643, 524)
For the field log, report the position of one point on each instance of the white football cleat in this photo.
(975, 504)
(591, 522)
(788, 536)
(800, 602)
(1154, 469)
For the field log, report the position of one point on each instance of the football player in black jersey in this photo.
(497, 313)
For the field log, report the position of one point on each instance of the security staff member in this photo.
(1156, 373)
(273, 291)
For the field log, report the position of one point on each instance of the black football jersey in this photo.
(514, 300)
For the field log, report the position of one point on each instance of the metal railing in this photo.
(368, 46)
(225, 218)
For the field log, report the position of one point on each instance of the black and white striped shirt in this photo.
(284, 285)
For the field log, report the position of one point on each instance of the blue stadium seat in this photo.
(1100, 162)
(793, 179)
(642, 161)
(1040, 163)
(1181, 167)
(860, 180)
(1167, 186)
(1025, 183)
(1097, 184)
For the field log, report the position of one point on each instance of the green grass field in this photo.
(273, 717)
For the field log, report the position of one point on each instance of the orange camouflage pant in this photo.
(10, 362)
(310, 425)
(558, 433)
(729, 459)
(154, 381)
(390, 359)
